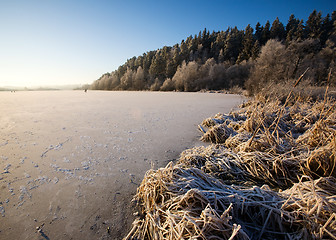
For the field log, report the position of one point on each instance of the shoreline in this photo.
(249, 183)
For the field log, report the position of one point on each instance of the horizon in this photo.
(74, 43)
(34, 87)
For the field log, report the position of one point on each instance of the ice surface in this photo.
(70, 156)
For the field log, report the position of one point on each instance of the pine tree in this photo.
(265, 33)
(218, 45)
(292, 24)
(248, 42)
(205, 39)
(255, 50)
(333, 22)
(277, 30)
(313, 25)
(138, 62)
(291, 28)
(233, 45)
(258, 31)
(191, 44)
(300, 32)
(184, 52)
(157, 68)
(147, 60)
(327, 26)
(172, 62)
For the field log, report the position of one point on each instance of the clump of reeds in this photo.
(269, 174)
(185, 203)
(313, 204)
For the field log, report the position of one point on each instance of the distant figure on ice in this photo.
(85, 90)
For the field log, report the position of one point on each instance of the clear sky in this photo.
(57, 42)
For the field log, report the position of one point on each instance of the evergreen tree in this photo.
(258, 31)
(265, 33)
(205, 39)
(131, 62)
(233, 45)
(248, 42)
(138, 62)
(220, 40)
(172, 63)
(299, 34)
(313, 25)
(255, 50)
(277, 30)
(184, 52)
(327, 26)
(157, 68)
(147, 60)
(191, 44)
(292, 24)
(291, 29)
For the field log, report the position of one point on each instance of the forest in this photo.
(249, 59)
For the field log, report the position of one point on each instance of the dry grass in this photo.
(270, 173)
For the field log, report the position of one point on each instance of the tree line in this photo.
(245, 58)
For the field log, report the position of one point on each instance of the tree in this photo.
(205, 39)
(248, 42)
(156, 85)
(299, 34)
(233, 45)
(168, 85)
(127, 79)
(185, 76)
(277, 30)
(297, 53)
(220, 40)
(204, 79)
(115, 82)
(292, 24)
(173, 62)
(147, 60)
(183, 52)
(265, 33)
(139, 79)
(138, 62)
(313, 25)
(269, 67)
(258, 31)
(157, 68)
(327, 27)
(255, 50)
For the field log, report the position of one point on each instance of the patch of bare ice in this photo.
(4, 143)
(2, 211)
(6, 168)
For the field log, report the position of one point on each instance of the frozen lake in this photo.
(71, 161)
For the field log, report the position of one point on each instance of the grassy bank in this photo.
(269, 174)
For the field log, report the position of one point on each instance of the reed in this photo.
(270, 173)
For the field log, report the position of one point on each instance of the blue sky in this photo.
(57, 42)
